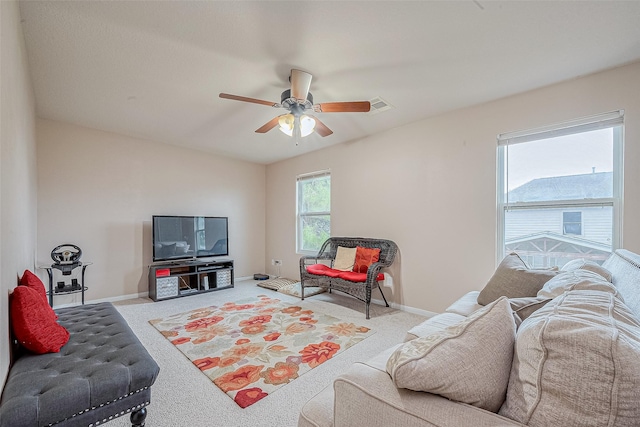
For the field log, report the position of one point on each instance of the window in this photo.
(572, 223)
(560, 191)
(314, 211)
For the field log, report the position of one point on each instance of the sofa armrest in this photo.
(366, 396)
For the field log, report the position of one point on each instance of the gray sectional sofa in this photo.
(568, 355)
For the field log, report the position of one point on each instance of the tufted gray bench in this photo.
(103, 372)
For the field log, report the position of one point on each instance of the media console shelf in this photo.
(179, 279)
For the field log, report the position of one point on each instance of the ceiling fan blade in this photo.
(268, 126)
(300, 83)
(343, 107)
(245, 99)
(322, 129)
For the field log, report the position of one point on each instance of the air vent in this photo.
(379, 105)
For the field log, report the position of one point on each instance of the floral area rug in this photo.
(252, 347)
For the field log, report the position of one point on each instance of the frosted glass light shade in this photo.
(307, 124)
(287, 123)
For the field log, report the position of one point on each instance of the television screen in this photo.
(178, 237)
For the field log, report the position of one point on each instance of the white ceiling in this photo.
(154, 69)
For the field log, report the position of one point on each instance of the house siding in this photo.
(596, 223)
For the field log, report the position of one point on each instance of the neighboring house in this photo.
(556, 235)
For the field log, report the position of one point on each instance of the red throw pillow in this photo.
(364, 258)
(32, 281)
(32, 324)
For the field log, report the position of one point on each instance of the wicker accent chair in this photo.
(361, 289)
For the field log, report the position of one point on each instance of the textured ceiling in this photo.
(154, 69)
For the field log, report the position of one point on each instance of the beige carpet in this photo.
(182, 396)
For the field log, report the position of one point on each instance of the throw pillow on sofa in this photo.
(525, 307)
(467, 362)
(576, 364)
(583, 264)
(576, 280)
(32, 323)
(514, 279)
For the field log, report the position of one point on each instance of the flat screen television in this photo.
(180, 237)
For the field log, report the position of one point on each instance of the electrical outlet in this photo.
(273, 262)
(277, 262)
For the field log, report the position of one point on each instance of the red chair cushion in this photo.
(364, 258)
(32, 323)
(322, 270)
(352, 276)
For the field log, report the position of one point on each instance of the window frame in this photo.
(301, 215)
(615, 120)
(565, 222)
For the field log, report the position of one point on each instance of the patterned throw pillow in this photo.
(364, 258)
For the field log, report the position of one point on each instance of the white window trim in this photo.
(600, 121)
(299, 215)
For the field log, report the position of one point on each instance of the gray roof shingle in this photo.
(571, 187)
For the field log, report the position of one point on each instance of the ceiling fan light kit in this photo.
(297, 100)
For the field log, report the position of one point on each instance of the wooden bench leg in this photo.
(138, 417)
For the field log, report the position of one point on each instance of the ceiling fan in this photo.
(297, 101)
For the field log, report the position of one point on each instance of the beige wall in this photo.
(17, 167)
(99, 190)
(431, 186)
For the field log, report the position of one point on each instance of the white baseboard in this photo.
(110, 299)
(406, 308)
(128, 296)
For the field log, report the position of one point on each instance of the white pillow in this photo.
(345, 258)
(583, 264)
(467, 362)
(576, 280)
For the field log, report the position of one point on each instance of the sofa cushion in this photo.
(576, 363)
(625, 268)
(514, 279)
(467, 362)
(466, 304)
(364, 258)
(345, 259)
(576, 280)
(525, 307)
(33, 322)
(433, 324)
(582, 264)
